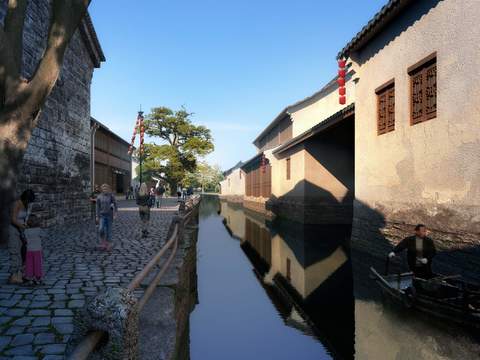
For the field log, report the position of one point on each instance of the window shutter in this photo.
(288, 169)
(423, 78)
(431, 91)
(417, 98)
(390, 125)
(382, 113)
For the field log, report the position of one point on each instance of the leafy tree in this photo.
(21, 99)
(182, 144)
(206, 177)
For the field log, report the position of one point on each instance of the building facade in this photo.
(56, 164)
(313, 172)
(232, 187)
(112, 162)
(304, 165)
(417, 129)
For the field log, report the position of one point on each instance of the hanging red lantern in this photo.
(342, 73)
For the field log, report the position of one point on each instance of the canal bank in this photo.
(281, 290)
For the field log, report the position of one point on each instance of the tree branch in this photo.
(14, 21)
(67, 15)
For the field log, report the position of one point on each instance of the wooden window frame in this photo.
(288, 168)
(385, 90)
(422, 67)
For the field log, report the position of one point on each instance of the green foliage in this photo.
(182, 144)
(205, 176)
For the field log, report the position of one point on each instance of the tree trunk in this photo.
(10, 161)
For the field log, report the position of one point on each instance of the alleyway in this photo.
(37, 321)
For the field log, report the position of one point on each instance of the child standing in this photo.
(34, 254)
(106, 212)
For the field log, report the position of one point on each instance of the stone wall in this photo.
(57, 162)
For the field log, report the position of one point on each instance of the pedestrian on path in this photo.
(20, 212)
(106, 213)
(158, 195)
(34, 253)
(143, 202)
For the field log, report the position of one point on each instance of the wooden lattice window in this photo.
(386, 108)
(423, 90)
(288, 168)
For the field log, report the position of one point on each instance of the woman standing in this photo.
(143, 202)
(16, 237)
(106, 213)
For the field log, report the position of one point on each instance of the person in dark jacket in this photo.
(420, 252)
(143, 202)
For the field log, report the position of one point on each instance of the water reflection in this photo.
(305, 271)
(279, 290)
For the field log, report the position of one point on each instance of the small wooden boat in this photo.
(447, 297)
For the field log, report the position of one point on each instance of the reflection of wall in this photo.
(234, 218)
(385, 333)
(305, 279)
(428, 172)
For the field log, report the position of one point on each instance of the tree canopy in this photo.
(182, 144)
(206, 177)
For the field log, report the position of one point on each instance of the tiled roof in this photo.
(89, 35)
(386, 14)
(321, 126)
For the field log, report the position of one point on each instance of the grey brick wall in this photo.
(56, 164)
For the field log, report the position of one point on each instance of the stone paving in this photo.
(36, 322)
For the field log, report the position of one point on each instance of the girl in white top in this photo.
(34, 257)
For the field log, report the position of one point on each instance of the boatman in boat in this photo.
(420, 252)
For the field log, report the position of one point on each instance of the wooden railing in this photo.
(91, 341)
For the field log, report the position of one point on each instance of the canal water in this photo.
(278, 290)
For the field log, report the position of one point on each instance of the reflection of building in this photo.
(56, 162)
(113, 164)
(234, 219)
(305, 270)
(232, 187)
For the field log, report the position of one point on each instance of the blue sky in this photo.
(234, 64)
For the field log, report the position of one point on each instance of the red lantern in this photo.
(342, 100)
(342, 91)
(342, 73)
(341, 81)
(342, 63)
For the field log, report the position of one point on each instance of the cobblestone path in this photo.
(36, 322)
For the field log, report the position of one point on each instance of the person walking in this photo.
(158, 196)
(106, 213)
(143, 202)
(16, 239)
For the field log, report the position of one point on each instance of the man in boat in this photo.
(420, 252)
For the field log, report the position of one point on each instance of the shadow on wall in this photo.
(402, 21)
(319, 207)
